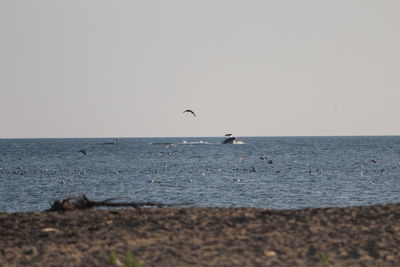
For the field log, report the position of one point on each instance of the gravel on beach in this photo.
(195, 236)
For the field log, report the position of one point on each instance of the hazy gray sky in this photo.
(129, 68)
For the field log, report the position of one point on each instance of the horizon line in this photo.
(211, 136)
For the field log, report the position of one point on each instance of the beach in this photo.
(196, 236)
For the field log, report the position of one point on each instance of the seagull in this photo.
(191, 111)
(228, 135)
(170, 145)
(82, 151)
(151, 180)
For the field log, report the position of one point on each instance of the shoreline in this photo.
(187, 236)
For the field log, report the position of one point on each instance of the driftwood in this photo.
(82, 202)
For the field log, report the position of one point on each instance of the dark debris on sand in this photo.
(83, 203)
(356, 236)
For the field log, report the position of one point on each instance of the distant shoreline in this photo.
(364, 235)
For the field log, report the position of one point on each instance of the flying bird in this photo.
(191, 111)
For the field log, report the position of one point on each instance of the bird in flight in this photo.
(191, 111)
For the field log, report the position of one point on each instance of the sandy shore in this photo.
(358, 236)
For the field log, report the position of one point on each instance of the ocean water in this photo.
(267, 172)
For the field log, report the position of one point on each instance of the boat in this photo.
(229, 140)
(116, 142)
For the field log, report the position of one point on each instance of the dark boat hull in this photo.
(229, 140)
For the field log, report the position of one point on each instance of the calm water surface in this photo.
(268, 172)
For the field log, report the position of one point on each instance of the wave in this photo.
(239, 143)
(195, 143)
(161, 143)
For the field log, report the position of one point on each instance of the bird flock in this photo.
(238, 168)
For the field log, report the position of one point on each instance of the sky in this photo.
(95, 68)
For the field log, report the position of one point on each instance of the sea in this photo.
(262, 172)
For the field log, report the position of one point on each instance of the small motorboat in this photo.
(229, 140)
(116, 142)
